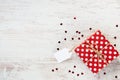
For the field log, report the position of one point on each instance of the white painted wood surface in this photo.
(29, 31)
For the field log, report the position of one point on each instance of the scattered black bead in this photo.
(72, 38)
(65, 31)
(61, 23)
(72, 72)
(90, 28)
(82, 35)
(116, 25)
(59, 42)
(116, 76)
(74, 17)
(82, 73)
(56, 68)
(104, 73)
(52, 70)
(65, 39)
(74, 66)
(78, 38)
(69, 71)
(58, 49)
(77, 74)
(79, 32)
(115, 37)
(76, 31)
(115, 45)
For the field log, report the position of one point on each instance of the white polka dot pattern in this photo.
(91, 58)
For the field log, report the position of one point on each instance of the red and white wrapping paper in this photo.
(96, 52)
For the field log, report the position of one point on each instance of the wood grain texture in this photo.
(29, 31)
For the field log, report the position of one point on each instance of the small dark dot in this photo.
(74, 66)
(82, 35)
(82, 73)
(65, 39)
(72, 38)
(90, 28)
(56, 68)
(59, 42)
(52, 70)
(58, 49)
(116, 25)
(77, 74)
(61, 23)
(115, 45)
(65, 31)
(104, 73)
(115, 37)
(116, 76)
(79, 32)
(74, 17)
(76, 31)
(69, 71)
(78, 38)
(72, 72)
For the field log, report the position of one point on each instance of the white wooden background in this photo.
(29, 31)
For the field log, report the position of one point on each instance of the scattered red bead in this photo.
(79, 32)
(76, 31)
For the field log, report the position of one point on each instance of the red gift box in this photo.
(96, 52)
